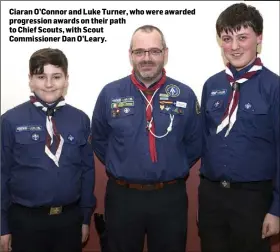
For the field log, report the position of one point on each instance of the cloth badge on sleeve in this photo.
(172, 90)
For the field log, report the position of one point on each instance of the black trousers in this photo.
(33, 230)
(230, 219)
(132, 213)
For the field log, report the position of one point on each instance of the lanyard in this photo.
(149, 124)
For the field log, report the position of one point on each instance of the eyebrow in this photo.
(240, 34)
(51, 74)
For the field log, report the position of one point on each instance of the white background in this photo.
(194, 54)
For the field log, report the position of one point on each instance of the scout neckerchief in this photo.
(51, 127)
(149, 94)
(229, 117)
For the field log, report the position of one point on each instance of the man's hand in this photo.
(270, 225)
(6, 242)
(85, 232)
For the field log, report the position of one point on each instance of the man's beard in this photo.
(147, 76)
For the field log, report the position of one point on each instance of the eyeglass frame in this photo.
(148, 51)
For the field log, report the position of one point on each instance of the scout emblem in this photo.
(35, 136)
(172, 90)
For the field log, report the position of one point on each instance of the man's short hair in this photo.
(47, 56)
(237, 16)
(148, 29)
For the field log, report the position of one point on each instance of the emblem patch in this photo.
(70, 138)
(218, 92)
(248, 106)
(122, 102)
(172, 90)
(29, 128)
(35, 136)
(217, 104)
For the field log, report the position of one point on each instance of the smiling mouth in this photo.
(147, 66)
(236, 55)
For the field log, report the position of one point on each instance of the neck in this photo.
(46, 103)
(148, 83)
(238, 69)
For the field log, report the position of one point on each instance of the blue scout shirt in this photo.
(120, 140)
(29, 177)
(251, 151)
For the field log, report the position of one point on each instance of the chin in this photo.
(49, 99)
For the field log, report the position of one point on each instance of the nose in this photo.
(146, 55)
(235, 44)
(48, 83)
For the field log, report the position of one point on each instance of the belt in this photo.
(48, 210)
(146, 187)
(239, 185)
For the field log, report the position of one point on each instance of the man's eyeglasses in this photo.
(153, 52)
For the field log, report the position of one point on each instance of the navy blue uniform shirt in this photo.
(251, 151)
(120, 139)
(29, 177)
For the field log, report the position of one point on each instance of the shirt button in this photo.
(225, 165)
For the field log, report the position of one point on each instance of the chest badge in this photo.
(248, 105)
(35, 136)
(172, 90)
(70, 138)
(126, 110)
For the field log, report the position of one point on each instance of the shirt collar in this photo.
(237, 74)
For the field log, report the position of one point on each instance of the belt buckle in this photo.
(148, 187)
(55, 210)
(225, 184)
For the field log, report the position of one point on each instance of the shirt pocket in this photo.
(215, 111)
(72, 147)
(176, 113)
(255, 118)
(122, 122)
(29, 145)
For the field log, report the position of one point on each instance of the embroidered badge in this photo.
(35, 136)
(29, 128)
(126, 110)
(248, 105)
(218, 92)
(163, 97)
(217, 104)
(181, 104)
(115, 112)
(70, 138)
(172, 90)
(122, 102)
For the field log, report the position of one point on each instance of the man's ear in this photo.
(165, 56)
(130, 57)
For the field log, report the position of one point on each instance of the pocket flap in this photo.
(28, 137)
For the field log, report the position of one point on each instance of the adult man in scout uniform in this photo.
(239, 189)
(146, 130)
(47, 170)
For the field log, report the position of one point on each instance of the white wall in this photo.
(194, 54)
